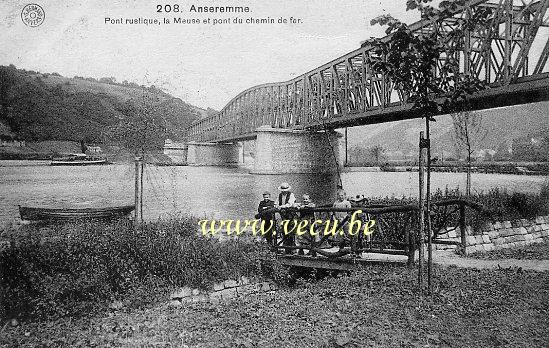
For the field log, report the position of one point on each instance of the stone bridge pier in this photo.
(177, 152)
(282, 151)
(213, 154)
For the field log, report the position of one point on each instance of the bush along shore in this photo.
(81, 268)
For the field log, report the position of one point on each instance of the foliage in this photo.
(498, 205)
(424, 65)
(507, 206)
(532, 147)
(81, 267)
(143, 132)
(378, 307)
(37, 111)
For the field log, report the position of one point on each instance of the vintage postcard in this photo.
(274, 173)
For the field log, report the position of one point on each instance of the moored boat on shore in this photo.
(42, 213)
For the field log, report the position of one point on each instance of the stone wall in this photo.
(500, 235)
(227, 290)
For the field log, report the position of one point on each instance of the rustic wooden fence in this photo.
(395, 232)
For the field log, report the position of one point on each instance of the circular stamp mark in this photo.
(33, 15)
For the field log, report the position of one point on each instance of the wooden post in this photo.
(411, 240)
(421, 211)
(141, 174)
(428, 210)
(136, 216)
(462, 228)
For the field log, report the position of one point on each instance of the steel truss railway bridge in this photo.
(509, 53)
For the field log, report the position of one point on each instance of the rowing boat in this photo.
(39, 213)
(79, 163)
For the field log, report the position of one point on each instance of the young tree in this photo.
(468, 132)
(424, 66)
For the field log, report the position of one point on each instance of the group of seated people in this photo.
(286, 199)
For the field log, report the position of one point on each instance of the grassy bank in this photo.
(80, 268)
(376, 308)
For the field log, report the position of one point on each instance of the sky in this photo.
(203, 64)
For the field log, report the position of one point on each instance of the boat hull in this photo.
(78, 163)
(37, 213)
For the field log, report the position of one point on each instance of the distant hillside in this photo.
(503, 128)
(38, 107)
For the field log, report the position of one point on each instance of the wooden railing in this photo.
(395, 231)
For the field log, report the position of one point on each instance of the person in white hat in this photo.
(286, 199)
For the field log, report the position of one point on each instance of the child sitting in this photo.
(306, 238)
(341, 217)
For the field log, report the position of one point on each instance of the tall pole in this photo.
(428, 210)
(346, 149)
(141, 172)
(136, 216)
(421, 211)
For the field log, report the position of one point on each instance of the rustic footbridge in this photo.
(395, 232)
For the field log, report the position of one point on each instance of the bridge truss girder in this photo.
(348, 92)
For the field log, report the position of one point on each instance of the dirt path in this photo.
(449, 258)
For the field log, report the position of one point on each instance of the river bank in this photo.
(514, 168)
(46, 150)
(375, 308)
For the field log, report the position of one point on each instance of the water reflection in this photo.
(226, 193)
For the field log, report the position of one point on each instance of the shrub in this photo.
(498, 205)
(81, 267)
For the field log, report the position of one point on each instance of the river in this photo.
(211, 192)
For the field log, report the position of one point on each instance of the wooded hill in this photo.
(516, 133)
(36, 107)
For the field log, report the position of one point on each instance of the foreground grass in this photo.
(376, 308)
(529, 252)
(80, 268)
